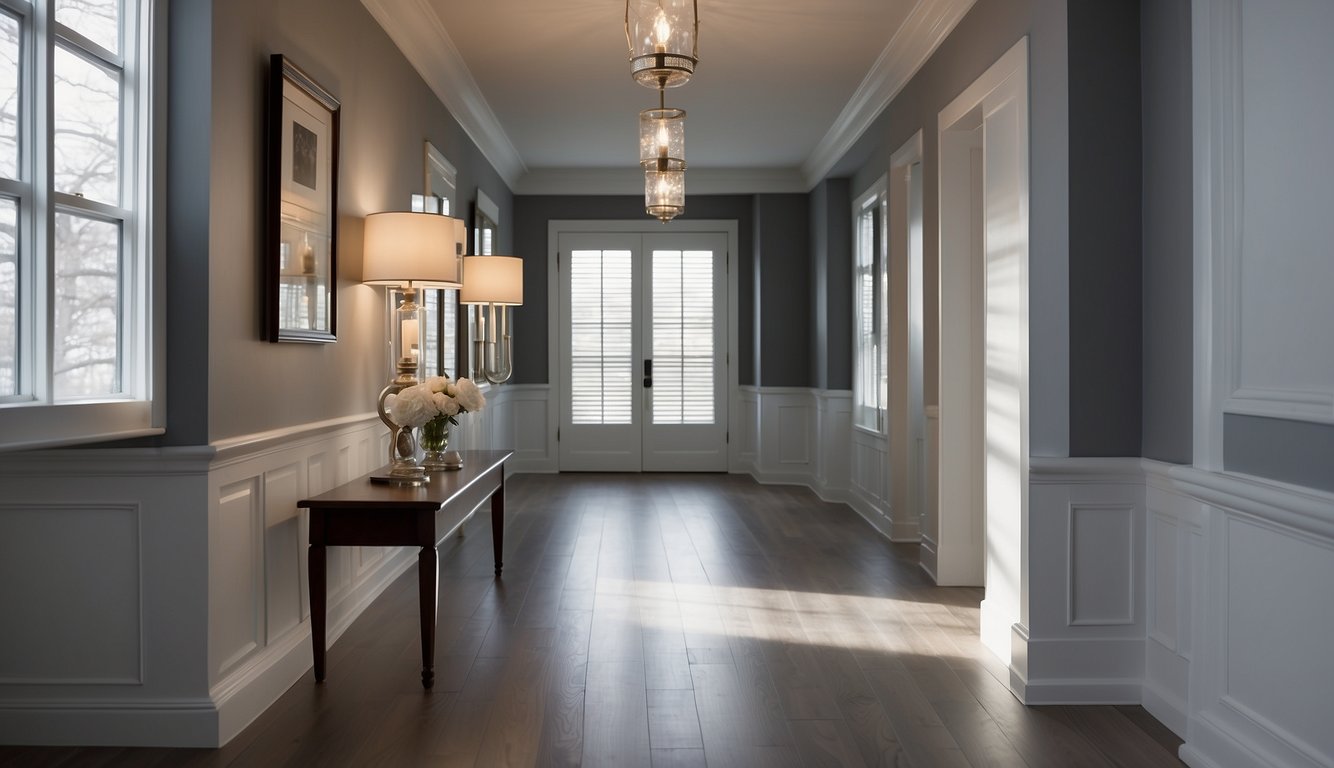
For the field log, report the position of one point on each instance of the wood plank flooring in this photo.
(668, 620)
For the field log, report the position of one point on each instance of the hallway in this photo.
(669, 621)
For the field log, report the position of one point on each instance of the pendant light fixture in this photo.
(663, 36)
(664, 41)
(662, 155)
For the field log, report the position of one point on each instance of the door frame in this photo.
(971, 442)
(728, 227)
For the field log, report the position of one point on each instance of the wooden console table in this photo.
(363, 513)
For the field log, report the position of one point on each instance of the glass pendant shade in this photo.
(664, 193)
(662, 139)
(663, 37)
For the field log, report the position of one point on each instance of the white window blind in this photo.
(871, 316)
(601, 337)
(682, 354)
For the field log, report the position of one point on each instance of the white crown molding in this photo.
(629, 180)
(922, 32)
(418, 32)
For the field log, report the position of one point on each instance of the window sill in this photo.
(32, 426)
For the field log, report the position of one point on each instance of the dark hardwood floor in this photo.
(654, 620)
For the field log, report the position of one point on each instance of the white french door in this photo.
(643, 351)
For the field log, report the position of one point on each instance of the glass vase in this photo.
(435, 441)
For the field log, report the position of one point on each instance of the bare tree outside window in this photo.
(9, 162)
(87, 164)
(76, 272)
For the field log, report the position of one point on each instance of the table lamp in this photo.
(412, 251)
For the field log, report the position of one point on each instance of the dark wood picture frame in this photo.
(301, 207)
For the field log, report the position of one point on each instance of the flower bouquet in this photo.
(434, 405)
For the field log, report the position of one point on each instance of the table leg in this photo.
(498, 521)
(428, 580)
(315, 567)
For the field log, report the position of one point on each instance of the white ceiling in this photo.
(782, 89)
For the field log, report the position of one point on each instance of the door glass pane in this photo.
(9, 298)
(9, 96)
(601, 363)
(87, 307)
(97, 20)
(87, 135)
(683, 369)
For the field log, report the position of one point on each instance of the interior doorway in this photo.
(983, 376)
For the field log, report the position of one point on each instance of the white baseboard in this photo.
(111, 723)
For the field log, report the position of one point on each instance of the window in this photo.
(870, 303)
(75, 270)
(442, 305)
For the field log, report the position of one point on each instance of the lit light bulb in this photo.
(662, 32)
(662, 139)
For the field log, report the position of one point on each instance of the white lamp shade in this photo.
(413, 248)
(492, 280)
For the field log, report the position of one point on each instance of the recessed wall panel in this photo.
(70, 577)
(1101, 581)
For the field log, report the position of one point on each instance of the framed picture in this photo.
(302, 207)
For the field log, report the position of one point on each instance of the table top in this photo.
(443, 487)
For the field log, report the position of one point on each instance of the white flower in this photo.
(450, 389)
(469, 396)
(437, 383)
(413, 407)
(448, 406)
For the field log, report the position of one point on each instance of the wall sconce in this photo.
(410, 250)
(492, 284)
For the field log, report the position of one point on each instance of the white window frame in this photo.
(33, 418)
(871, 344)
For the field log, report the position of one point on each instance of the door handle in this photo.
(648, 373)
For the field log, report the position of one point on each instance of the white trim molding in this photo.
(416, 29)
(926, 27)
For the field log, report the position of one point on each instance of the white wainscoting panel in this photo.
(1103, 576)
(786, 436)
(1173, 561)
(532, 423)
(869, 481)
(930, 526)
(1085, 630)
(236, 541)
(1260, 666)
(833, 416)
(745, 431)
(102, 574)
(76, 630)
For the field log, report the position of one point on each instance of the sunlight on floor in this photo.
(850, 622)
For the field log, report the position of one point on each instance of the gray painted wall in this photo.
(1167, 211)
(1290, 451)
(819, 285)
(1105, 232)
(531, 216)
(990, 29)
(831, 284)
(189, 105)
(783, 265)
(387, 113)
